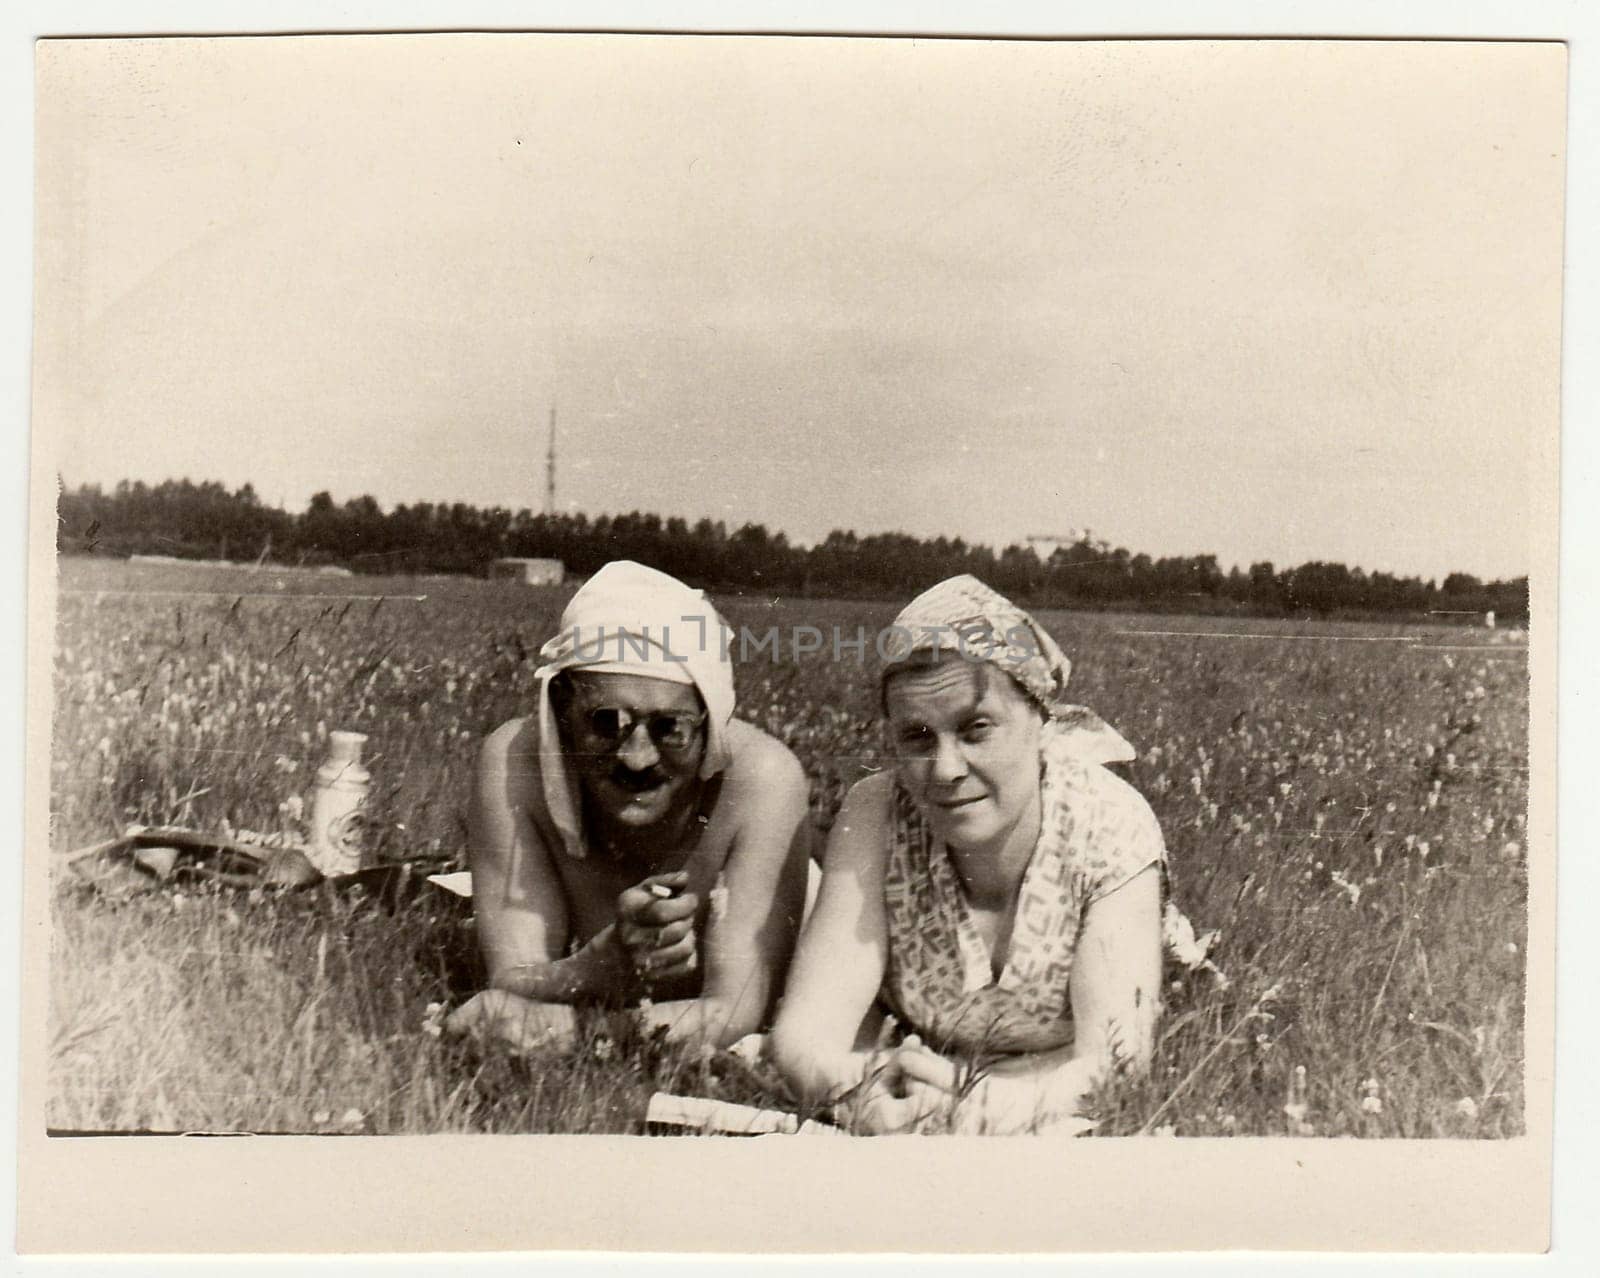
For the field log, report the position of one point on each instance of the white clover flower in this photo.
(1467, 1107)
(1178, 935)
(1348, 888)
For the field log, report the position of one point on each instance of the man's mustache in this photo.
(629, 779)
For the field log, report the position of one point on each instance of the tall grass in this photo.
(1345, 805)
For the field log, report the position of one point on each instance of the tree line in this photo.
(206, 521)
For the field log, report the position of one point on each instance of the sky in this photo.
(1266, 300)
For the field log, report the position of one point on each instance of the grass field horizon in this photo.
(1344, 803)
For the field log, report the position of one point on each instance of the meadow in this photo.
(1345, 805)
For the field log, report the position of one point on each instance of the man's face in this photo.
(637, 743)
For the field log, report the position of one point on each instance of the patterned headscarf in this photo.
(964, 616)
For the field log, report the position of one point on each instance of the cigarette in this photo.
(661, 891)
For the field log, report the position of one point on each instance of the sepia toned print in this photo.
(481, 692)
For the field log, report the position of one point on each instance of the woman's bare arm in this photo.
(842, 955)
(1115, 989)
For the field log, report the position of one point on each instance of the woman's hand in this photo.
(918, 1064)
(884, 1114)
(519, 1025)
(889, 1102)
(906, 1089)
(657, 932)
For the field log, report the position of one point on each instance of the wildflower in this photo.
(1295, 1104)
(352, 1117)
(1371, 1103)
(433, 1020)
(1512, 850)
(321, 1117)
(1166, 1129)
(293, 807)
(1467, 1108)
(603, 1049)
(1511, 947)
(1179, 939)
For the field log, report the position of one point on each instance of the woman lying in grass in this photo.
(998, 888)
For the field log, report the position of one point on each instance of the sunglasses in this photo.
(668, 729)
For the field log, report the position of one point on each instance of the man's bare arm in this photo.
(521, 909)
(750, 931)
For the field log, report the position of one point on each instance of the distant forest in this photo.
(206, 521)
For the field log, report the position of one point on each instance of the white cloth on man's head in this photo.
(630, 619)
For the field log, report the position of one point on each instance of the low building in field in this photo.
(532, 572)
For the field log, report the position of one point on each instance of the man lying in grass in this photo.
(631, 843)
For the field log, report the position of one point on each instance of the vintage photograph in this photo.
(643, 585)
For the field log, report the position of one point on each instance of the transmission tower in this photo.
(550, 468)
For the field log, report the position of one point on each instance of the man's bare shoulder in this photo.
(509, 758)
(761, 762)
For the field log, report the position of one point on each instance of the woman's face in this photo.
(633, 777)
(966, 744)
